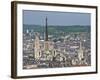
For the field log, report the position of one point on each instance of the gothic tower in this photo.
(80, 54)
(46, 44)
(37, 46)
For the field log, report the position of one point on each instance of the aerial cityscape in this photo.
(56, 46)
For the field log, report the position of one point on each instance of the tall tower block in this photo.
(37, 46)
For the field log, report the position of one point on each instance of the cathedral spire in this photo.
(46, 30)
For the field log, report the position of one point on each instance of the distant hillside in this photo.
(56, 28)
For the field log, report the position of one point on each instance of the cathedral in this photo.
(48, 49)
(47, 52)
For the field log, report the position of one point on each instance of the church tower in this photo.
(80, 54)
(37, 46)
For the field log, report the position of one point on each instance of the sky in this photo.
(55, 18)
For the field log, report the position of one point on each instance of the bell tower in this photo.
(37, 46)
(80, 54)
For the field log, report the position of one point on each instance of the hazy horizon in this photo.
(55, 18)
(57, 25)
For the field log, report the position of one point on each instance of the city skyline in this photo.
(55, 50)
